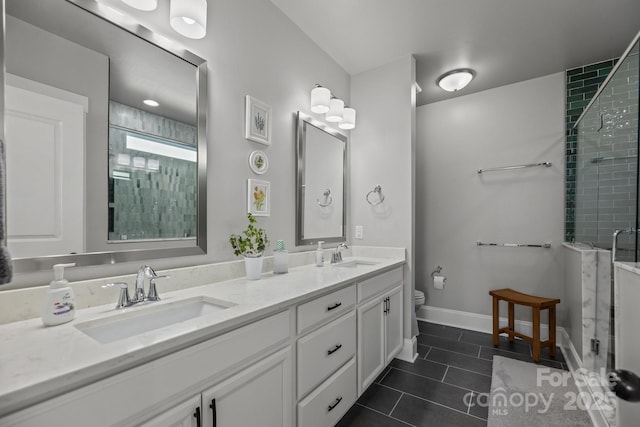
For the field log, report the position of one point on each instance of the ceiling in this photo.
(504, 41)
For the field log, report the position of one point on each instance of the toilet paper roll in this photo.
(438, 281)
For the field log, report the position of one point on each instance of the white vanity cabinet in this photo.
(186, 414)
(326, 375)
(256, 396)
(253, 360)
(379, 324)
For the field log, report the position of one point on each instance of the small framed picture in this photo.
(258, 162)
(258, 197)
(257, 121)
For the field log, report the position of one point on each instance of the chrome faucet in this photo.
(336, 257)
(144, 272)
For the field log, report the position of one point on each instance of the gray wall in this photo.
(382, 153)
(516, 124)
(252, 48)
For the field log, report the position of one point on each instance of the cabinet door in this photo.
(257, 396)
(187, 414)
(371, 329)
(393, 325)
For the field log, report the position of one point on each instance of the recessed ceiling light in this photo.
(151, 103)
(456, 79)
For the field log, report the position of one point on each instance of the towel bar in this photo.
(546, 245)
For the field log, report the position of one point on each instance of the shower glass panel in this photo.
(607, 186)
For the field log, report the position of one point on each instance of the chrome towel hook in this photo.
(327, 198)
(377, 190)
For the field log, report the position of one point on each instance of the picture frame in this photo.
(257, 121)
(258, 162)
(258, 197)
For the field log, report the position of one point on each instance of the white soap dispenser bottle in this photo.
(60, 301)
(320, 255)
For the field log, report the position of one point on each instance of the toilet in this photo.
(418, 299)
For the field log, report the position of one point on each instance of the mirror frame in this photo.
(302, 120)
(30, 265)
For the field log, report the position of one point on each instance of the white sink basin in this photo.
(150, 318)
(355, 263)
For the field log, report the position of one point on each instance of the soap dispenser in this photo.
(59, 302)
(320, 255)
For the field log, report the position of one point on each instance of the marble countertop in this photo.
(38, 362)
(633, 267)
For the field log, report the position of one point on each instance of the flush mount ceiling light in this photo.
(456, 79)
(151, 103)
(146, 5)
(189, 17)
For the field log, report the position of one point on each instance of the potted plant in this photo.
(251, 244)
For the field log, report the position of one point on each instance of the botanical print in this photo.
(257, 121)
(258, 162)
(258, 197)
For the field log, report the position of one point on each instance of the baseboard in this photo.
(477, 322)
(409, 351)
(599, 417)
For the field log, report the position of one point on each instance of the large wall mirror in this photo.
(320, 184)
(95, 175)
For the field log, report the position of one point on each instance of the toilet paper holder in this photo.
(436, 271)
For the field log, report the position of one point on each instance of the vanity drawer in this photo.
(325, 308)
(329, 402)
(378, 284)
(322, 352)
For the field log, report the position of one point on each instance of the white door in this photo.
(45, 174)
(371, 330)
(187, 414)
(257, 396)
(393, 324)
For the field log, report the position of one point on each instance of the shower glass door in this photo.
(607, 189)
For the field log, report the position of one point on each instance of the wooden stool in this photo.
(536, 304)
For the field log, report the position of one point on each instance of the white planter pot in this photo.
(253, 267)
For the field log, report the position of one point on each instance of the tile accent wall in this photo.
(150, 203)
(581, 84)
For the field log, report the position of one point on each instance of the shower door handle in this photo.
(625, 384)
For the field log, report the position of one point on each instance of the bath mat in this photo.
(526, 394)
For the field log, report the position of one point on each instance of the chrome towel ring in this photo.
(327, 198)
(377, 190)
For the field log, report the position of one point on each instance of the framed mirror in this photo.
(96, 175)
(320, 182)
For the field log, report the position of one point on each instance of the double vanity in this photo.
(285, 350)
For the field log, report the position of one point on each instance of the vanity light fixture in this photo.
(336, 110)
(455, 80)
(320, 97)
(151, 103)
(146, 5)
(324, 102)
(189, 17)
(348, 119)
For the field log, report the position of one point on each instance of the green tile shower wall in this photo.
(581, 84)
(151, 204)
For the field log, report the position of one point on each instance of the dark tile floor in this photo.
(453, 368)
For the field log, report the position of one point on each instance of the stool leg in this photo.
(512, 323)
(552, 330)
(536, 334)
(496, 318)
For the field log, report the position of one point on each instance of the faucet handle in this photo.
(152, 295)
(123, 298)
